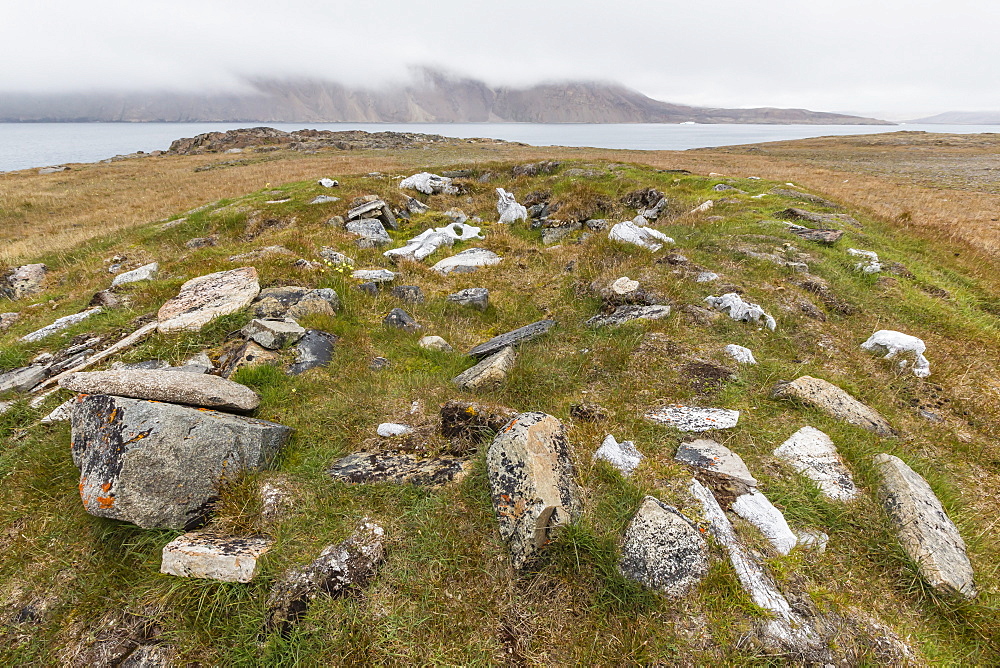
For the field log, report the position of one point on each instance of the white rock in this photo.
(755, 508)
(145, 273)
(738, 309)
(60, 324)
(435, 343)
(813, 454)
(328, 183)
(324, 199)
(631, 233)
(470, 257)
(870, 264)
(374, 275)
(892, 343)
(62, 413)
(623, 456)
(624, 286)
(704, 453)
(689, 418)
(740, 354)
(205, 298)
(508, 208)
(703, 207)
(706, 277)
(428, 183)
(430, 240)
(201, 554)
(387, 429)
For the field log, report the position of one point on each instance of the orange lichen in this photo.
(105, 502)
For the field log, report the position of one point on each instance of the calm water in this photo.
(26, 145)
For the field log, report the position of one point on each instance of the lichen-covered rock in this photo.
(692, 418)
(60, 324)
(338, 571)
(628, 312)
(159, 465)
(370, 232)
(208, 555)
(663, 550)
(737, 309)
(870, 263)
(315, 349)
(25, 281)
(374, 275)
(532, 483)
(891, 344)
(926, 532)
(758, 510)
(273, 333)
(144, 273)
(295, 302)
(205, 298)
(715, 458)
(488, 374)
(623, 456)
(813, 454)
(834, 401)
(400, 319)
(192, 389)
(398, 468)
(477, 298)
(23, 379)
(512, 338)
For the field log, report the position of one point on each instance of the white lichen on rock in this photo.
(740, 354)
(732, 304)
(892, 343)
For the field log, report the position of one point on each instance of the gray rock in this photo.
(205, 298)
(400, 319)
(715, 458)
(691, 418)
(273, 333)
(370, 231)
(159, 465)
(413, 205)
(379, 363)
(827, 237)
(556, 233)
(26, 280)
(208, 555)
(375, 209)
(628, 312)
(663, 550)
(315, 349)
(336, 221)
(834, 401)
(370, 288)
(146, 365)
(813, 454)
(926, 532)
(398, 468)
(246, 355)
(23, 379)
(61, 413)
(623, 456)
(374, 275)
(478, 298)
(532, 483)
(335, 257)
(512, 338)
(324, 199)
(295, 302)
(411, 294)
(758, 510)
(194, 389)
(106, 299)
(60, 324)
(436, 343)
(201, 242)
(740, 354)
(8, 319)
(53, 170)
(470, 258)
(489, 374)
(144, 273)
(338, 571)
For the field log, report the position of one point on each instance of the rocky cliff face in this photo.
(433, 97)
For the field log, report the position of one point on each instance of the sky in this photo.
(890, 58)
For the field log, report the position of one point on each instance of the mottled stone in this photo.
(192, 389)
(532, 483)
(512, 338)
(663, 550)
(208, 555)
(827, 237)
(247, 354)
(144, 273)
(370, 233)
(691, 418)
(374, 275)
(477, 298)
(813, 454)
(313, 350)
(295, 302)
(834, 401)
(60, 324)
(411, 294)
(205, 298)
(273, 333)
(588, 412)
(626, 313)
(398, 468)
(400, 319)
(26, 280)
(715, 458)
(23, 379)
(8, 319)
(489, 374)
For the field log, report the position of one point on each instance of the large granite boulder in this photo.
(159, 465)
(531, 482)
(205, 298)
(194, 389)
(663, 550)
(834, 401)
(926, 532)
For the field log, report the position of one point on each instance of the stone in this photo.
(53, 170)
(23, 379)
(315, 349)
(201, 242)
(737, 309)
(390, 429)
(477, 298)
(690, 418)
(379, 363)
(468, 258)
(663, 550)
(159, 465)
(400, 319)
(833, 401)
(631, 233)
(373, 209)
(205, 298)
(597, 224)
(192, 389)
(703, 207)
(508, 208)
(371, 233)
(273, 333)
(26, 280)
(374, 275)
(472, 420)
(822, 236)
(588, 412)
(512, 338)
(339, 570)
(813, 454)
(430, 184)
(106, 299)
(146, 272)
(61, 413)
(717, 459)
(411, 294)
(248, 354)
(532, 483)
(627, 312)
(369, 288)
(456, 216)
(925, 531)
(623, 456)
(8, 319)
(489, 374)
(870, 264)
(336, 221)
(210, 556)
(324, 199)
(706, 277)
(892, 343)
(398, 468)
(413, 205)
(335, 257)
(435, 343)
(60, 324)
(756, 509)
(295, 302)
(740, 354)
(328, 183)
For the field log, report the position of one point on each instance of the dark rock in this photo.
(555, 233)
(378, 363)
(512, 338)
(105, 299)
(369, 288)
(313, 350)
(400, 319)
(828, 237)
(23, 379)
(295, 302)
(474, 421)
(642, 199)
(411, 294)
(398, 468)
(478, 298)
(588, 412)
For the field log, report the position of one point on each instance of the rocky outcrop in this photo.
(834, 401)
(193, 389)
(205, 298)
(663, 550)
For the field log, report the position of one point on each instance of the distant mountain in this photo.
(434, 98)
(962, 118)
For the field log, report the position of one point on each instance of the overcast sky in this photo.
(886, 57)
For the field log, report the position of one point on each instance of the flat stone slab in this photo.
(60, 324)
(820, 236)
(202, 554)
(295, 302)
(23, 379)
(273, 333)
(834, 401)
(663, 550)
(628, 312)
(813, 454)
(205, 298)
(690, 418)
(159, 465)
(758, 510)
(145, 273)
(512, 338)
(371, 232)
(925, 531)
(489, 374)
(478, 298)
(398, 468)
(715, 458)
(195, 389)
(470, 258)
(374, 275)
